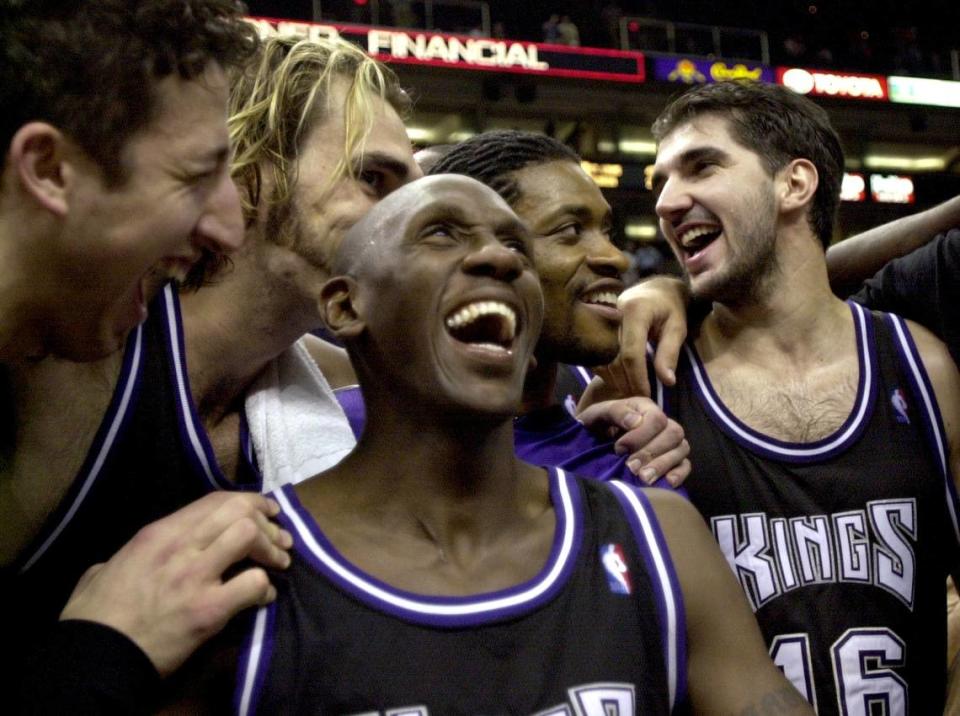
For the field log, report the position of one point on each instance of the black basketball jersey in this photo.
(841, 545)
(150, 457)
(599, 630)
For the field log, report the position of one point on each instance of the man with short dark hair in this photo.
(116, 163)
(580, 272)
(482, 584)
(115, 178)
(825, 436)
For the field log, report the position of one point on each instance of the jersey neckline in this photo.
(818, 450)
(312, 544)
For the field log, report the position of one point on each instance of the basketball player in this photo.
(479, 583)
(171, 409)
(115, 177)
(825, 436)
(579, 270)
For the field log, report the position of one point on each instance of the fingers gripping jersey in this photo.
(841, 545)
(600, 630)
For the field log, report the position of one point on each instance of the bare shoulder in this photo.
(942, 371)
(57, 409)
(672, 510)
(332, 361)
(688, 539)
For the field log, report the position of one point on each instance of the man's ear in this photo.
(38, 157)
(338, 307)
(799, 181)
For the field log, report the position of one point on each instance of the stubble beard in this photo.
(752, 271)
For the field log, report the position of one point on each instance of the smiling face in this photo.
(579, 267)
(122, 243)
(448, 297)
(323, 208)
(717, 210)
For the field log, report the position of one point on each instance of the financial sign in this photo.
(473, 53)
(696, 71)
(823, 83)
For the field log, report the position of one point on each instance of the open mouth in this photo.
(490, 325)
(698, 238)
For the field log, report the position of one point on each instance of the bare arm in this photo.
(653, 309)
(945, 379)
(729, 670)
(332, 361)
(854, 260)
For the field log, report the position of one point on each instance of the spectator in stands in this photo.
(610, 17)
(551, 32)
(568, 33)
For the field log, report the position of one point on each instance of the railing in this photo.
(456, 16)
(684, 38)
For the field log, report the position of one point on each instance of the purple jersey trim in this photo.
(111, 427)
(932, 419)
(252, 480)
(818, 450)
(667, 595)
(457, 612)
(582, 374)
(254, 660)
(200, 452)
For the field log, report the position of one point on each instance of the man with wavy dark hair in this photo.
(116, 162)
(826, 436)
(115, 178)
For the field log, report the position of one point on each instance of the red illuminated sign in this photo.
(891, 189)
(473, 53)
(824, 83)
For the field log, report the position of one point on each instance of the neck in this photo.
(234, 328)
(456, 476)
(797, 316)
(22, 287)
(539, 387)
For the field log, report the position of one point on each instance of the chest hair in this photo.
(798, 409)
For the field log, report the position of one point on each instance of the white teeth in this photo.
(492, 347)
(607, 298)
(472, 311)
(695, 233)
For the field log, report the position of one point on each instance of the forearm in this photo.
(854, 260)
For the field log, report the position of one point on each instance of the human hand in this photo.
(165, 589)
(655, 443)
(655, 309)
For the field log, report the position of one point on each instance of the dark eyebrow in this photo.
(579, 211)
(691, 156)
(381, 161)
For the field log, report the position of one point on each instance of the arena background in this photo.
(887, 72)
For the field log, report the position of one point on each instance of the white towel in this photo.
(297, 426)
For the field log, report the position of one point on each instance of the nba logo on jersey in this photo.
(618, 576)
(899, 406)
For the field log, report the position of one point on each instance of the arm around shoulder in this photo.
(729, 670)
